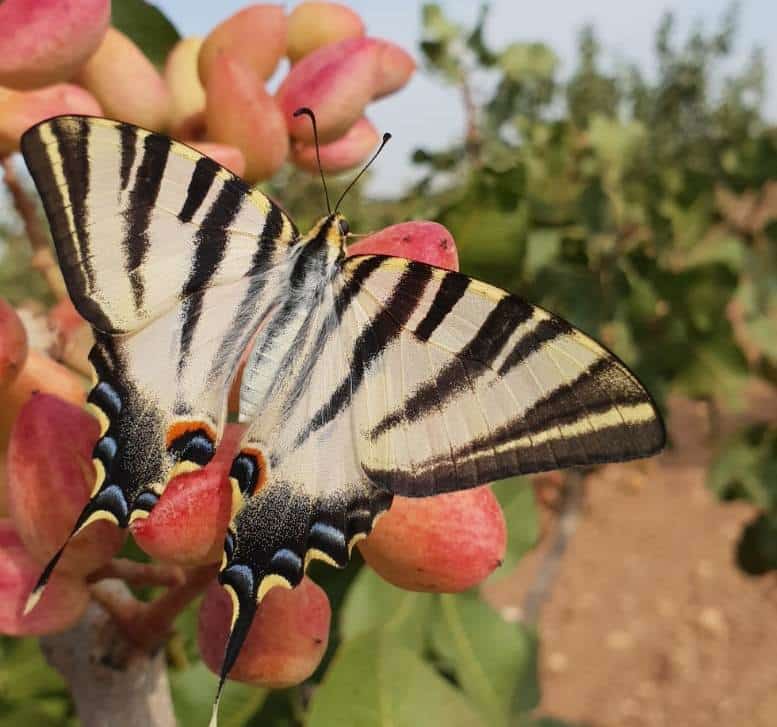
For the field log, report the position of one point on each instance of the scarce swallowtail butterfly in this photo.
(368, 376)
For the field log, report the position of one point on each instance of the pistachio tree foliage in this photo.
(641, 206)
(643, 209)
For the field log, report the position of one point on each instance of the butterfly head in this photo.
(332, 230)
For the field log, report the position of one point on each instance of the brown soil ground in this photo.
(649, 622)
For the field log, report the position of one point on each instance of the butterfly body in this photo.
(366, 377)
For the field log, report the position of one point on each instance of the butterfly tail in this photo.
(40, 585)
(239, 581)
(109, 503)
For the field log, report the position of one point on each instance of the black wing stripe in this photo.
(211, 241)
(41, 166)
(205, 172)
(342, 301)
(129, 140)
(261, 261)
(545, 331)
(137, 215)
(603, 384)
(355, 282)
(306, 266)
(74, 151)
(268, 240)
(42, 163)
(381, 330)
(481, 351)
(603, 445)
(451, 291)
(602, 387)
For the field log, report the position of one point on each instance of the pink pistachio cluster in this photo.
(62, 56)
(445, 543)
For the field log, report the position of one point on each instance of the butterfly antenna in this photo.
(385, 141)
(305, 111)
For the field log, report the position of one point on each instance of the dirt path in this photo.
(650, 623)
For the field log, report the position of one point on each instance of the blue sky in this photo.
(426, 114)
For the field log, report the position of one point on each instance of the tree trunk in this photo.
(113, 683)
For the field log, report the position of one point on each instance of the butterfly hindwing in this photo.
(165, 253)
(294, 504)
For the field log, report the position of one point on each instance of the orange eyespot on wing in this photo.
(191, 441)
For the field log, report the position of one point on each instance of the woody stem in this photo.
(42, 257)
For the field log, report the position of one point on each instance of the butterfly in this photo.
(367, 377)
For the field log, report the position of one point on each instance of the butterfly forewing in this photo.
(295, 500)
(166, 254)
(510, 388)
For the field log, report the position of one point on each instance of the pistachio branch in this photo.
(42, 257)
(141, 574)
(111, 682)
(572, 496)
(117, 600)
(147, 625)
(158, 617)
(472, 137)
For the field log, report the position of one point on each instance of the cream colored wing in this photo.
(175, 262)
(464, 383)
(293, 503)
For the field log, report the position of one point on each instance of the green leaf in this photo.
(476, 42)
(643, 297)
(147, 26)
(24, 673)
(443, 650)
(528, 62)
(495, 662)
(746, 468)
(372, 603)
(566, 290)
(757, 547)
(186, 631)
(763, 333)
(193, 692)
(440, 37)
(486, 237)
(376, 682)
(516, 496)
(716, 249)
(282, 708)
(716, 368)
(543, 247)
(40, 714)
(757, 297)
(615, 143)
(735, 473)
(436, 25)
